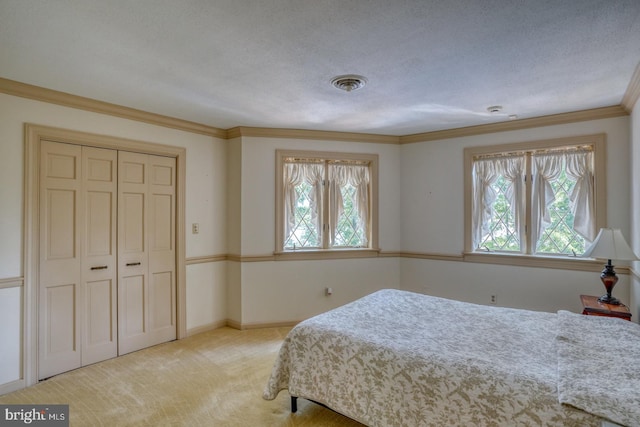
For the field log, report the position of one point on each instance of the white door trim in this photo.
(33, 135)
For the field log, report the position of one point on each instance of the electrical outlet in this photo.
(195, 228)
(494, 299)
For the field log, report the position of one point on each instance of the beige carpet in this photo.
(211, 379)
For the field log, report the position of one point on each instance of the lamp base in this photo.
(608, 299)
(609, 280)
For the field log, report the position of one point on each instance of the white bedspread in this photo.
(396, 358)
(599, 366)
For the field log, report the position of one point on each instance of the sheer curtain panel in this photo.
(295, 174)
(485, 172)
(357, 176)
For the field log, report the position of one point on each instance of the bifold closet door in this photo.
(99, 249)
(77, 277)
(60, 260)
(146, 251)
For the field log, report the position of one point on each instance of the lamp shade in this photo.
(610, 244)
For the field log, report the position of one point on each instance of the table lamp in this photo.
(610, 244)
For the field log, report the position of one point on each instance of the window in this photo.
(538, 198)
(326, 201)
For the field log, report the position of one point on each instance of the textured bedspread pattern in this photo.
(396, 358)
(599, 366)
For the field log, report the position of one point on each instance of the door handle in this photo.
(131, 264)
(100, 267)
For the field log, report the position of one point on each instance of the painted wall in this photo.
(635, 208)
(234, 230)
(433, 222)
(205, 204)
(283, 291)
(10, 334)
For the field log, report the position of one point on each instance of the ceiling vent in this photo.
(349, 82)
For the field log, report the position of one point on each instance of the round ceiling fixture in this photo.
(349, 82)
(494, 109)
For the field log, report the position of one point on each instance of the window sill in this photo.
(316, 254)
(558, 262)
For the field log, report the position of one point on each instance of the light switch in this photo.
(195, 228)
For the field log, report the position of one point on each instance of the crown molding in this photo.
(11, 87)
(23, 90)
(555, 119)
(633, 91)
(243, 131)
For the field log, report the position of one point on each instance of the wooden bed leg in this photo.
(294, 404)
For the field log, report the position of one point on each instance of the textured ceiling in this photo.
(430, 65)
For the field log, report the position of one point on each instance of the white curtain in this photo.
(513, 169)
(294, 175)
(485, 172)
(546, 168)
(580, 167)
(357, 176)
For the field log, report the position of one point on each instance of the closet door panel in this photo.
(132, 303)
(162, 253)
(99, 268)
(146, 234)
(100, 317)
(59, 284)
(60, 314)
(100, 206)
(132, 221)
(162, 299)
(60, 225)
(133, 257)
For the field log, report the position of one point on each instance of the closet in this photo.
(107, 275)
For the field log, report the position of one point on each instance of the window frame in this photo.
(326, 253)
(597, 141)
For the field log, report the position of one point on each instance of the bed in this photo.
(397, 358)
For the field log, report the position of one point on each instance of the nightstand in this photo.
(592, 307)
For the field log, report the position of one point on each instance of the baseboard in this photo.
(12, 386)
(206, 328)
(260, 325)
(237, 325)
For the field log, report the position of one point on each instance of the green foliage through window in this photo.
(559, 237)
(503, 235)
(349, 232)
(304, 235)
